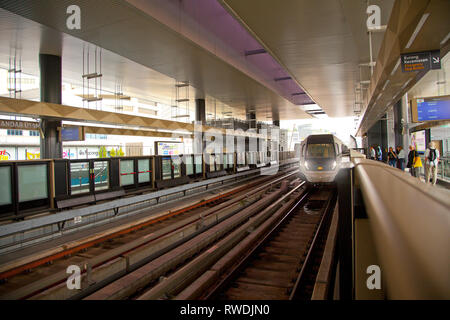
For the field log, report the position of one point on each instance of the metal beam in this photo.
(33, 109)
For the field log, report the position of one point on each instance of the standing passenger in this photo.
(379, 154)
(372, 154)
(401, 155)
(417, 165)
(385, 155)
(412, 155)
(431, 163)
(392, 157)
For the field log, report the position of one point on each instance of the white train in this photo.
(320, 158)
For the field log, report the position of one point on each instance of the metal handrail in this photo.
(410, 222)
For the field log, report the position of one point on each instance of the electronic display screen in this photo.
(71, 134)
(436, 108)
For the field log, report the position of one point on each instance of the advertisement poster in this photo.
(28, 153)
(418, 140)
(169, 148)
(7, 154)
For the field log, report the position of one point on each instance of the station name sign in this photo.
(14, 124)
(421, 61)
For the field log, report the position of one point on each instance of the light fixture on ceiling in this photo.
(445, 39)
(406, 83)
(310, 107)
(417, 30)
(385, 84)
(396, 67)
(379, 96)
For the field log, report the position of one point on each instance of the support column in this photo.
(200, 111)
(377, 135)
(50, 84)
(251, 119)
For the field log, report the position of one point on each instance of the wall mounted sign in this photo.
(72, 134)
(430, 108)
(421, 61)
(24, 125)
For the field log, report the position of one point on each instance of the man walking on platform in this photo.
(431, 163)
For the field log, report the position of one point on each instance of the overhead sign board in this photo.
(421, 61)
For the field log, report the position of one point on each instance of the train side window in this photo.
(337, 149)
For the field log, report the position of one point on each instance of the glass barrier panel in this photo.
(198, 164)
(144, 170)
(219, 161)
(241, 158)
(189, 165)
(176, 162)
(166, 167)
(250, 157)
(445, 168)
(231, 159)
(126, 172)
(225, 161)
(32, 182)
(5, 185)
(79, 177)
(212, 167)
(101, 175)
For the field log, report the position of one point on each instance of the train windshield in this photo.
(320, 150)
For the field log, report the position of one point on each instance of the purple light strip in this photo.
(208, 19)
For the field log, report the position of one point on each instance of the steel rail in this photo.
(243, 261)
(61, 217)
(199, 264)
(320, 229)
(87, 244)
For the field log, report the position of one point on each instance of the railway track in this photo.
(107, 259)
(270, 256)
(283, 265)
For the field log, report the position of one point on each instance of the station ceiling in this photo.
(320, 44)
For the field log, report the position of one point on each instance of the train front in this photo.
(319, 163)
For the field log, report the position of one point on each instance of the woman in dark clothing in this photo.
(392, 157)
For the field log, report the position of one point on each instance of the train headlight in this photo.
(333, 166)
(306, 165)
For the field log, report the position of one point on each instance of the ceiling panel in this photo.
(125, 31)
(321, 43)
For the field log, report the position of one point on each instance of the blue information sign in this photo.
(437, 108)
(70, 134)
